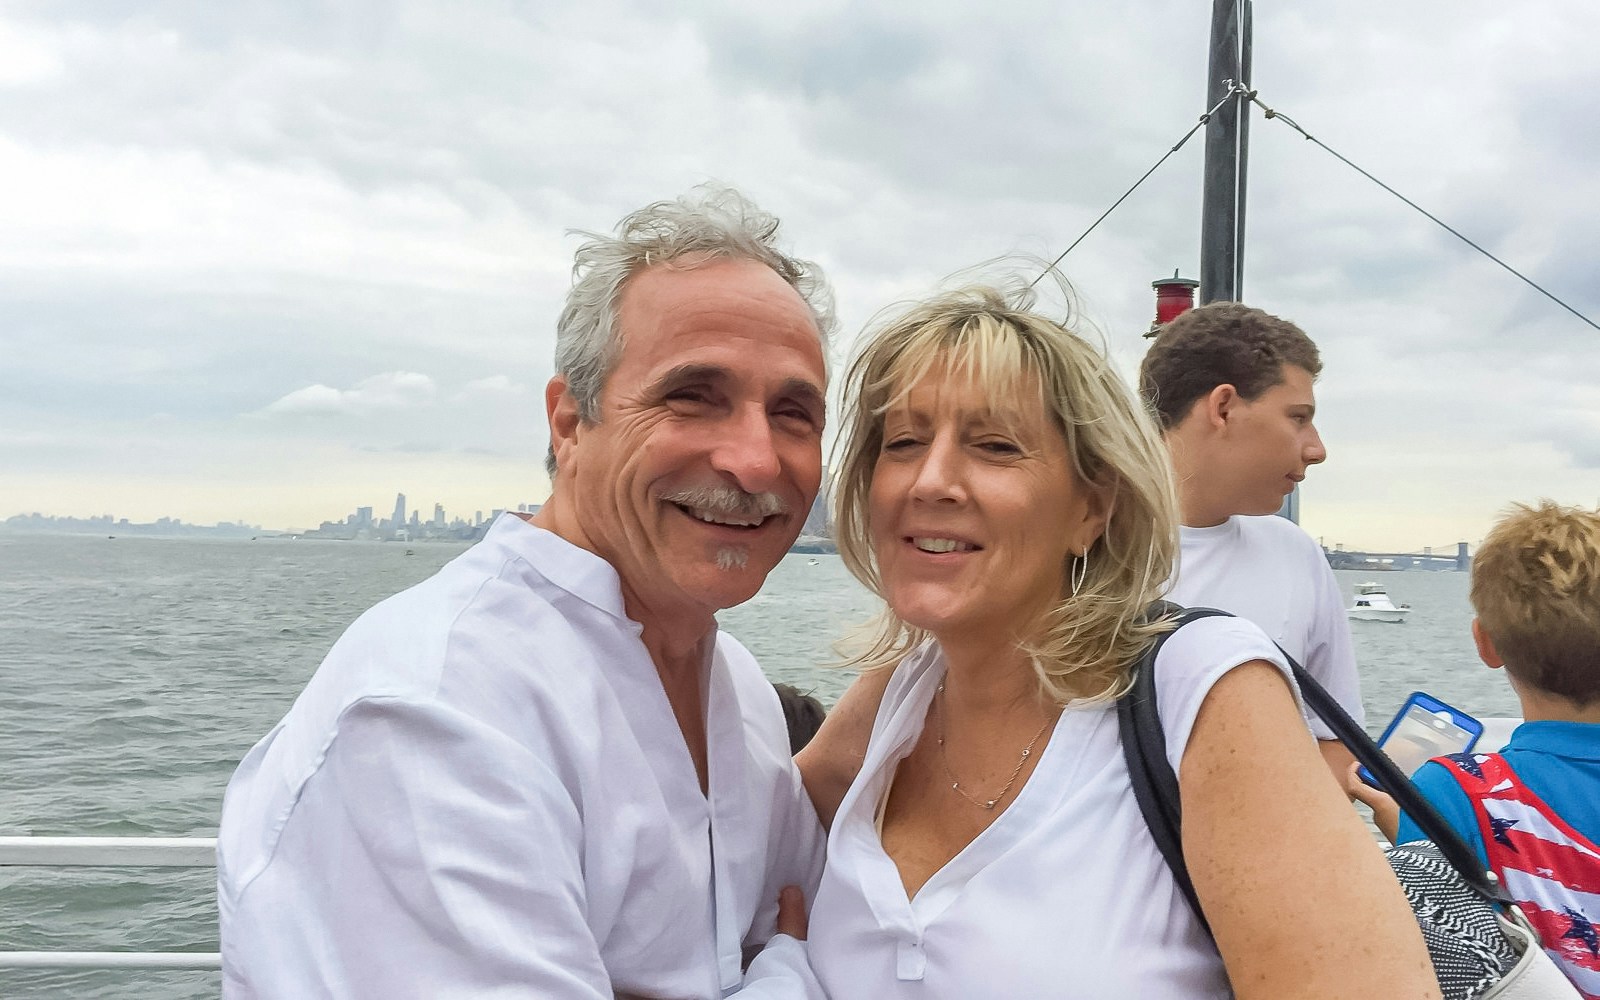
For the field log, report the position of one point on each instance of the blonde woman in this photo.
(1010, 501)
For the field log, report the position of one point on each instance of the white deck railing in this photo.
(201, 852)
(109, 852)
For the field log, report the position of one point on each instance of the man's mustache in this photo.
(729, 501)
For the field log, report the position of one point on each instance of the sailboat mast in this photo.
(1246, 16)
(1222, 204)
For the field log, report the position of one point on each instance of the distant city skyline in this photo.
(816, 525)
(361, 524)
(361, 516)
(401, 508)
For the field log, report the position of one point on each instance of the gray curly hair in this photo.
(710, 222)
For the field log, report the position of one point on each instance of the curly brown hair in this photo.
(1224, 343)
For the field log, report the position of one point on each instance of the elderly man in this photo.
(1232, 386)
(544, 772)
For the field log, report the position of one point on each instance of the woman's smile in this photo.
(974, 508)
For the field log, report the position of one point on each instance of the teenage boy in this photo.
(1232, 387)
(1532, 811)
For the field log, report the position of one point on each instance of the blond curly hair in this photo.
(1536, 591)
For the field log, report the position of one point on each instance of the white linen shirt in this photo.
(1065, 895)
(1268, 570)
(483, 791)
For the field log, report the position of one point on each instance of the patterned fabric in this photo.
(1470, 953)
(1551, 870)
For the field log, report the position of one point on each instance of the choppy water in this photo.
(138, 671)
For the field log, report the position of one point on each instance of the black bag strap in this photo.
(1394, 781)
(1155, 785)
(1144, 747)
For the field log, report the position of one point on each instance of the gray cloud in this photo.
(230, 209)
(387, 391)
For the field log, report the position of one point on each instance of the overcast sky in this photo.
(267, 262)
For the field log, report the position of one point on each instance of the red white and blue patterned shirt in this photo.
(1550, 869)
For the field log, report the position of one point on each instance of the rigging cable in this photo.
(1233, 89)
(1250, 95)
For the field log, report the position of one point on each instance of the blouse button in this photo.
(910, 961)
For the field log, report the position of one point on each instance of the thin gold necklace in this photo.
(1027, 752)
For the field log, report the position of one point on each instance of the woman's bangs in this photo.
(981, 352)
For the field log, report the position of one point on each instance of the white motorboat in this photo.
(1373, 605)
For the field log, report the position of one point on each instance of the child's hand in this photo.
(1355, 788)
(1385, 813)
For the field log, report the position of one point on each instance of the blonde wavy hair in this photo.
(1536, 591)
(1085, 645)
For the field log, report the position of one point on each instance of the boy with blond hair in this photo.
(1532, 811)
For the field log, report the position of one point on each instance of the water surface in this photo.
(139, 670)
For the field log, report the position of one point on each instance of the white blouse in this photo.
(1065, 895)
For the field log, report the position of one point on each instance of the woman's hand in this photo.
(1297, 893)
(792, 918)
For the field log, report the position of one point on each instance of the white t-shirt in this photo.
(1064, 896)
(483, 791)
(1267, 569)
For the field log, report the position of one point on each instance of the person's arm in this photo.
(1331, 659)
(796, 846)
(1336, 756)
(1440, 788)
(1385, 812)
(833, 758)
(1442, 792)
(1298, 896)
(428, 856)
(782, 971)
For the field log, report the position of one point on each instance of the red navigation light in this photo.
(1174, 297)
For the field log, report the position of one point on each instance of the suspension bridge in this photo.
(1453, 556)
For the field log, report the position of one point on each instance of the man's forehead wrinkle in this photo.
(729, 303)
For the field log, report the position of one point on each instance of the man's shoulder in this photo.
(486, 631)
(487, 595)
(1279, 530)
(1267, 539)
(1264, 568)
(1273, 548)
(487, 646)
(1244, 538)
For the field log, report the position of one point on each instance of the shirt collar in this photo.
(576, 570)
(1189, 532)
(1579, 740)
